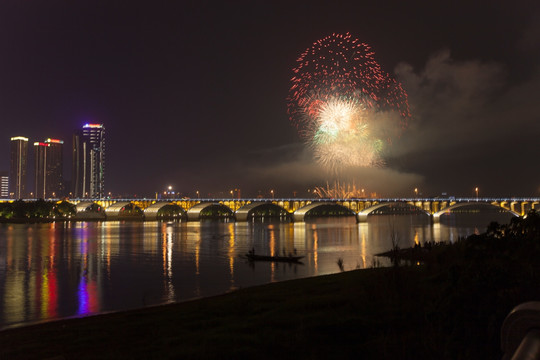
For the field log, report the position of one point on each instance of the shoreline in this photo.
(450, 307)
(62, 337)
(364, 311)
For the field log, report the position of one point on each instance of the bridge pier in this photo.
(361, 218)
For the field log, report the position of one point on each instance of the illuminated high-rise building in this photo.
(4, 184)
(18, 163)
(40, 157)
(48, 169)
(88, 178)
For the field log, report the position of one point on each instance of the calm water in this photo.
(51, 271)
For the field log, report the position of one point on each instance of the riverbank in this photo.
(450, 307)
(375, 313)
(364, 312)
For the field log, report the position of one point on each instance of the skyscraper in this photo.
(88, 178)
(48, 168)
(40, 157)
(18, 161)
(4, 184)
(55, 168)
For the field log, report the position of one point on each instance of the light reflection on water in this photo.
(50, 271)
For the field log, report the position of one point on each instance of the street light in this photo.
(198, 197)
(476, 191)
(231, 194)
(416, 192)
(272, 192)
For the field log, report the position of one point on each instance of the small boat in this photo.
(291, 258)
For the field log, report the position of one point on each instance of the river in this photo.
(60, 270)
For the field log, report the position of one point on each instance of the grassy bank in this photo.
(452, 307)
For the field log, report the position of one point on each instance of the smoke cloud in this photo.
(468, 121)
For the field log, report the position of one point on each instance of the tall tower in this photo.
(48, 168)
(40, 169)
(89, 162)
(18, 161)
(55, 168)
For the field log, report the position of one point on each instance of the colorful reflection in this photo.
(50, 271)
(87, 296)
(231, 251)
(167, 257)
(87, 289)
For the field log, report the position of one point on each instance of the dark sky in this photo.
(193, 94)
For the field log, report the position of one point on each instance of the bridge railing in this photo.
(460, 199)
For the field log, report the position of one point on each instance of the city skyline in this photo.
(195, 96)
(48, 176)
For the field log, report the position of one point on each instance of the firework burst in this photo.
(341, 191)
(338, 98)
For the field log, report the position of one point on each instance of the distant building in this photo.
(18, 163)
(40, 157)
(88, 178)
(4, 184)
(48, 169)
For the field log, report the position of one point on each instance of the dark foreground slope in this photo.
(449, 308)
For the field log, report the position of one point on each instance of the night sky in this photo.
(194, 95)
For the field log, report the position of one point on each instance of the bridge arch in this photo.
(156, 211)
(322, 208)
(362, 215)
(209, 211)
(89, 210)
(438, 214)
(124, 209)
(259, 210)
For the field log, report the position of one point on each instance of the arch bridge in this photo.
(292, 209)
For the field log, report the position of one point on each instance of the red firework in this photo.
(343, 67)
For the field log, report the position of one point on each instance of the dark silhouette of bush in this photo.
(64, 209)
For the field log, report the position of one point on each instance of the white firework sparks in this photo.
(340, 135)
